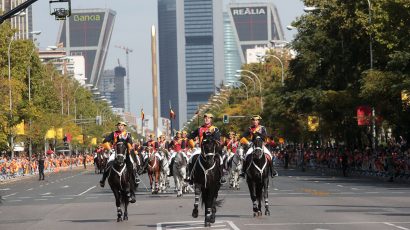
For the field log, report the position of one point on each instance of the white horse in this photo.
(163, 179)
(179, 170)
(236, 164)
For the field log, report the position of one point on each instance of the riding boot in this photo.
(243, 170)
(189, 176)
(171, 166)
(105, 174)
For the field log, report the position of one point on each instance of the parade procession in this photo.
(205, 114)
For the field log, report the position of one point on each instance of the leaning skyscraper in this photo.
(87, 33)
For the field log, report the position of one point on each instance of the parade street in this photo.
(298, 200)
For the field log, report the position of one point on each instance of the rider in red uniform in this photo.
(152, 147)
(206, 127)
(248, 134)
(121, 135)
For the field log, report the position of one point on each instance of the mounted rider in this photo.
(121, 135)
(248, 135)
(152, 148)
(178, 144)
(231, 146)
(206, 127)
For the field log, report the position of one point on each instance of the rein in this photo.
(206, 170)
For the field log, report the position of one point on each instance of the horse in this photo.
(235, 167)
(206, 178)
(100, 163)
(118, 179)
(179, 171)
(154, 172)
(257, 176)
(163, 180)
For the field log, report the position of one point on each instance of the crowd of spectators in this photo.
(391, 162)
(23, 165)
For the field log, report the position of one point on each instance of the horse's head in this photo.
(257, 141)
(210, 146)
(120, 150)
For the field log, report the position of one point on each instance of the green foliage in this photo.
(54, 98)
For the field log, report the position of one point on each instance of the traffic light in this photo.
(225, 119)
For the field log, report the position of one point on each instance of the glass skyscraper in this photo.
(231, 51)
(190, 54)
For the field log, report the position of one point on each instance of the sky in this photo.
(133, 29)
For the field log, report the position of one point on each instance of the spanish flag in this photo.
(172, 114)
(142, 115)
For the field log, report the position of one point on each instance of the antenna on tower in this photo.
(127, 51)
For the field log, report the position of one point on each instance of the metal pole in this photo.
(260, 85)
(281, 65)
(128, 81)
(10, 101)
(371, 69)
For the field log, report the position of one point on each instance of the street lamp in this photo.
(308, 9)
(289, 27)
(246, 87)
(280, 61)
(253, 81)
(259, 81)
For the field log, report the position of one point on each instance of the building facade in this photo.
(254, 24)
(191, 58)
(87, 32)
(111, 86)
(171, 53)
(23, 21)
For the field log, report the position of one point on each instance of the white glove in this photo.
(112, 151)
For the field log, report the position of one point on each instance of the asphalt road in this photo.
(298, 201)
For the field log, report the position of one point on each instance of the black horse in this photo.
(257, 176)
(206, 178)
(118, 180)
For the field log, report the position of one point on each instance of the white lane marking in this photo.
(66, 198)
(14, 200)
(29, 189)
(47, 184)
(193, 223)
(4, 189)
(316, 181)
(40, 199)
(396, 226)
(86, 191)
(65, 186)
(397, 192)
(339, 185)
(324, 223)
(45, 194)
(91, 197)
(355, 189)
(372, 192)
(275, 189)
(25, 197)
(213, 226)
(10, 195)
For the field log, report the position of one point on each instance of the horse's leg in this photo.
(197, 193)
(265, 195)
(126, 202)
(118, 204)
(252, 191)
(208, 198)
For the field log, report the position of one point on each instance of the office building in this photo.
(23, 21)
(87, 32)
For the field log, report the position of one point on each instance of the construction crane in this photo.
(127, 51)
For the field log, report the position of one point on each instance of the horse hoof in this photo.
(125, 218)
(259, 213)
(267, 213)
(119, 219)
(207, 224)
(255, 214)
(212, 220)
(195, 213)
